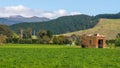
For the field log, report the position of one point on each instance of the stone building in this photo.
(93, 41)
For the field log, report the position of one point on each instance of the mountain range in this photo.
(19, 19)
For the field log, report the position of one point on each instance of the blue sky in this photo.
(62, 7)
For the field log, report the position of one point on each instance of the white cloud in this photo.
(27, 12)
(58, 13)
(75, 13)
(16, 10)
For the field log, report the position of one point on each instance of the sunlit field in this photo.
(57, 56)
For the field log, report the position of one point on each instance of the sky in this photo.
(57, 8)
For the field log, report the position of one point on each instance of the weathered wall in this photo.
(92, 41)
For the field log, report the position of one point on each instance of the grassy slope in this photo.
(108, 27)
(57, 57)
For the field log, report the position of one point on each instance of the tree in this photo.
(46, 39)
(41, 33)
(27, 33)
(59, 40)
(2, 39)
(15, 38)
(76, 39)
(55, 40)
(49, 34)
(44, 36)
(5, 30)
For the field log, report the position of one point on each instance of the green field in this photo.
(54, 56)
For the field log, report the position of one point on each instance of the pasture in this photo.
(108, 27)
(57, 56)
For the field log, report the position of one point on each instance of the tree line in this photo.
(44, 37)
(28, 36)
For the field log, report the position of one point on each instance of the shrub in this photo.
(2, 39)
(118, 35)
(117, 42)
(61, 40)
(55, 40)
(110, 41)
(46, 39)
(8, 40)
(35, 41)
(76, 39)
(25, 41)
(15, 40)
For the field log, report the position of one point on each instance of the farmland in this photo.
(54, 56)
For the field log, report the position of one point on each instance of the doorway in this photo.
(100, 43)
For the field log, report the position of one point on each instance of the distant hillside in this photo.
(66, 24)
(8, 21)
(4, 29)
(19, 19)
(109, 16)
(109, 27)
(61, 25)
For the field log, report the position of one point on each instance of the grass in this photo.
(54, 56)
(108, 27)
(36, 46)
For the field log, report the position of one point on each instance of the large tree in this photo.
(26, 33)
(44, 36)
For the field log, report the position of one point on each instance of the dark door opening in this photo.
(100, 43)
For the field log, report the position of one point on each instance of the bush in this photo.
(35, 41)
(61, 40)
(15, 40)
(25, 41)
(117, 42)
(76, 39)
(2, 39)
(110, 42)
(9, 40)
(46, 39)
(118, 35)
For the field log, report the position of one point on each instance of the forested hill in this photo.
(61, 25)
(66, 23)
(5, 30)
(109, 16)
